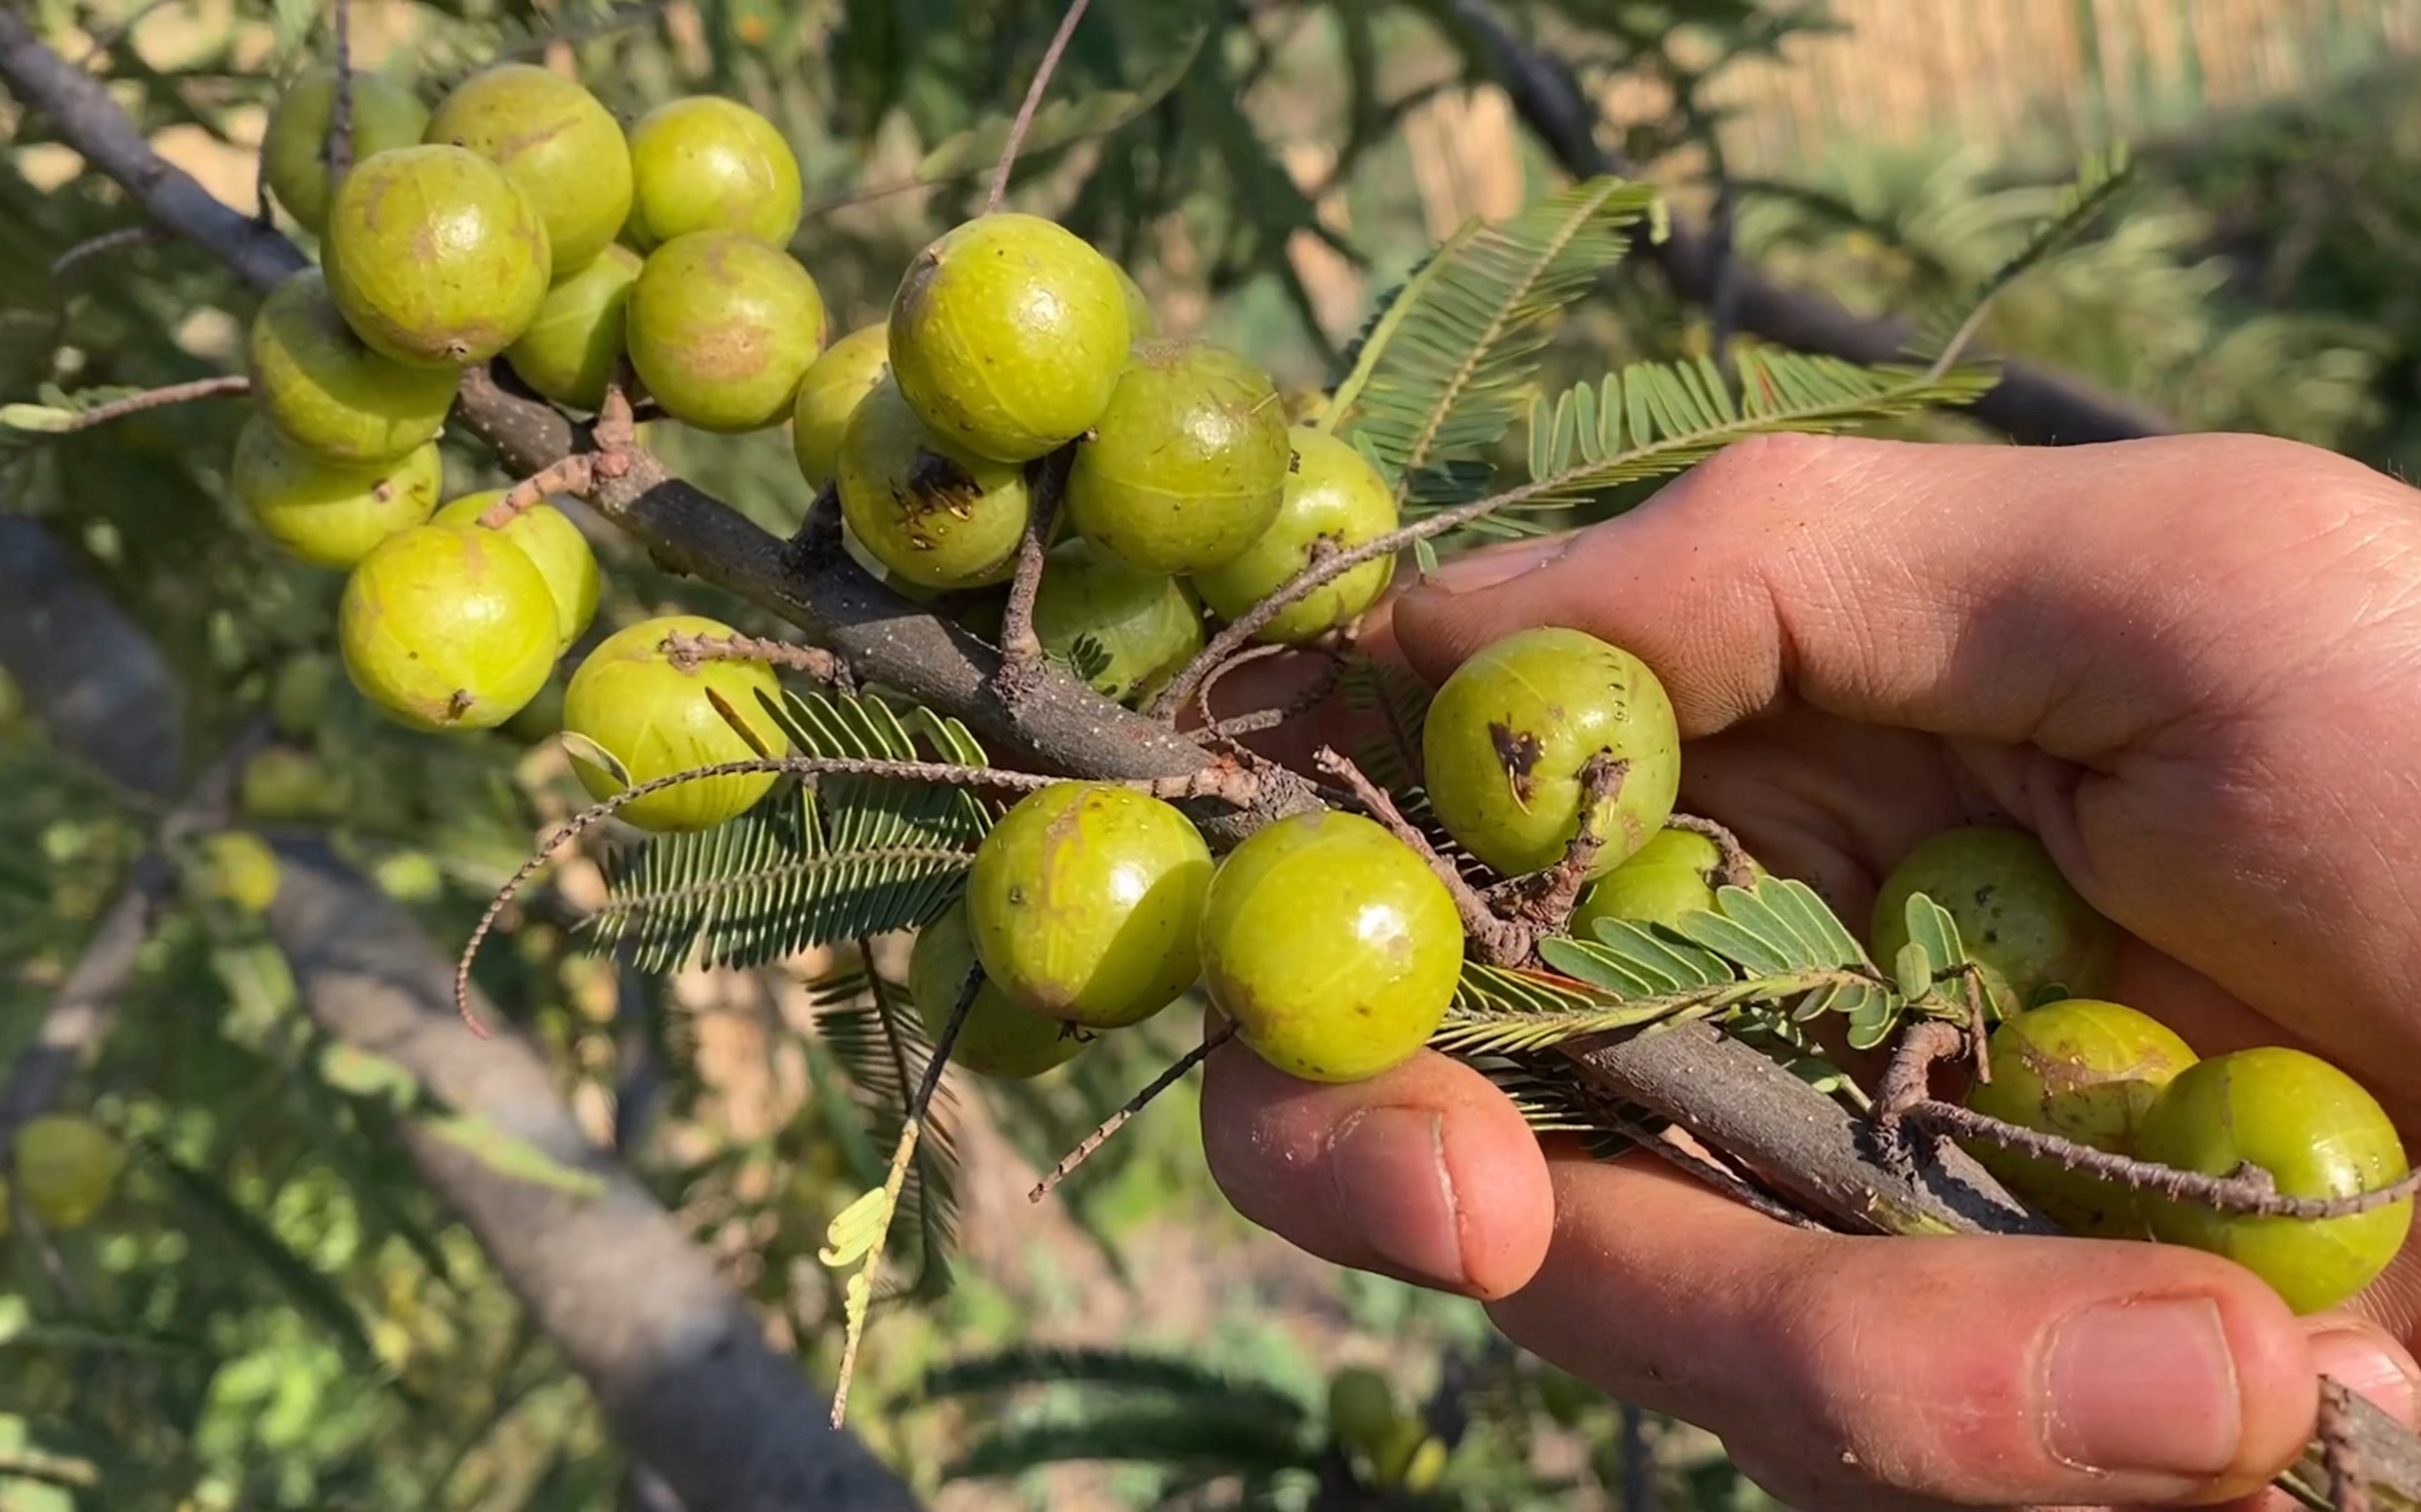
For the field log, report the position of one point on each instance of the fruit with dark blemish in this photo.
(436, 258)
(554, 546)
(1187, 466)
(386, 114)
(1085, 900)
(328, 513)
(1145, 623)
(569, 352)
(933, 515)
(835, 385)
(1008, 334)
(707, 163)
(446, 628)
(553, 139)
(1676, 873)
(1334, 495)
(2018, 916)
(999, 1038)
(722, 328)
(656, 717)
(327, 392)
(1331, 945)
(1507, 735)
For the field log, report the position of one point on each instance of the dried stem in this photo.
(229, 385)
(1497, 941)
(1202, 695)
(2340, 1458)
(1110, 1125)
(1908, 1080)
(1021, 650)
(1733, 869)
(1545, 899)
(685, 651)
(1032, 102)
(337, 150)
(108, 241)
(1301, 704)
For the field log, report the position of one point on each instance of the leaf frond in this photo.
(2101, 178)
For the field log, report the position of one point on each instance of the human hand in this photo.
(2188, 666)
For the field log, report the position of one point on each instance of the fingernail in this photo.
(1389, 1165)
(1485, 569)
(2369, 1370)
(2146, 1388)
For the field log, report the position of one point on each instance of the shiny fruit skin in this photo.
(837, 383)
(1361, 1408)
(1332, 948)
(1507, 733)
(1007, 336)
(999, 1038)
(1332, 494)
(656, 719)
(67, 1169)
(554, 546)
(435, 257)
(447, 628)
(706, 164)
(569, 352)
(2018, 916)
(328, 392)
(1187, 466)
(552, 138)
(935, 516)
(1084, 901)
(722, 329)
(1673, 874)
(386, 114)
(2087, 1071)
(329, 514)
(2318, 1132)
(1145, 622)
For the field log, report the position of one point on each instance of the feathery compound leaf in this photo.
(1636, 960)
(2100, 177)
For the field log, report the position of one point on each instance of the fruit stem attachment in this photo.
(687, 651)
(1110, 1125)
(337, 149)
(1495, 940)
(1021, 648)
(1024, 122)
(1733, 869)
(1545, 899)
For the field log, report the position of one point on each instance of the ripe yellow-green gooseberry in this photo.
(1008, 334)
(999, 1038)
(569, 352)
(386, 114)
(633, 703)
(67, 1168)
(2087, 1071)
(2018, 917)
(552, 138)
(328, 392)
(1507, 735)
(447, 627)
(2318, 1133)
(1330, 946)
(282, 785)
(1674, 874)
(328, 513)
(837, 383)
(554, 546)
(1187, 466)
(237, 868)
(435, 257)
(707, 163)
(1086, 899)
(722, 329)
(1144, 621)
(1332, 495)
(931, 514)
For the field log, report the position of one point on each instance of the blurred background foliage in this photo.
(272, 1314)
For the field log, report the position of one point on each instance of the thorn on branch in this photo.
(1110, 1125)
(1032, 102)
(1495, 940)
(686, 651)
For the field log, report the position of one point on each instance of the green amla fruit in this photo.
(1507, 735)
(282, 785)
(435, 257)
(1007, 336)
(931, 514)
(551, 138)
(328, 392)
(654, 716)
(1144, 621)
(300, 697)
(554, 546)
(2317, 1132)
(999, 1038)
(328, 513)
(2086, 1071)
(1333, 947)
(722, 328)
(1674, 874)
(706, 164)
(236, 868)
(1332, 495)
(1412, 1458)
(385, 113)
(2018, 917)
(1187, 465)
(67, 1169)
(1086, 899)
(1361, 1408)
(835, 384)
(447, 628)
(569, 352)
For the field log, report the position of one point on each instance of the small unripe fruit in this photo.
(1144, 621)
(553, 139)
(236, 868)
(2018, 917)
(554, 546)
(67, 1168)
(837, 383)
(1084, 901)
(934, 516)
(706, 164)
(435, 257)
(282, 785)
(386, 115)
(447, 627)
(999, 1038)
(1507, 735)
(569, 352)
(1333, 947)
(1361, 1408)
(326, 513)
(300, 698)
(1187, 465)
(1674, 874)
(328, 392)
(655, 717)
(1007, 336)
(1333, 494)
(722, 328)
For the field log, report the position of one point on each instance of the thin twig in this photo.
(1732, 868)
(1332, 673)
(1110, 1125)
(337, 151)
(1025, 120)
(228, 386)
(1202, 695)
(1497, 941)
(1021, 648)
(685, 651)
(1545, 899)
(146, 234)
